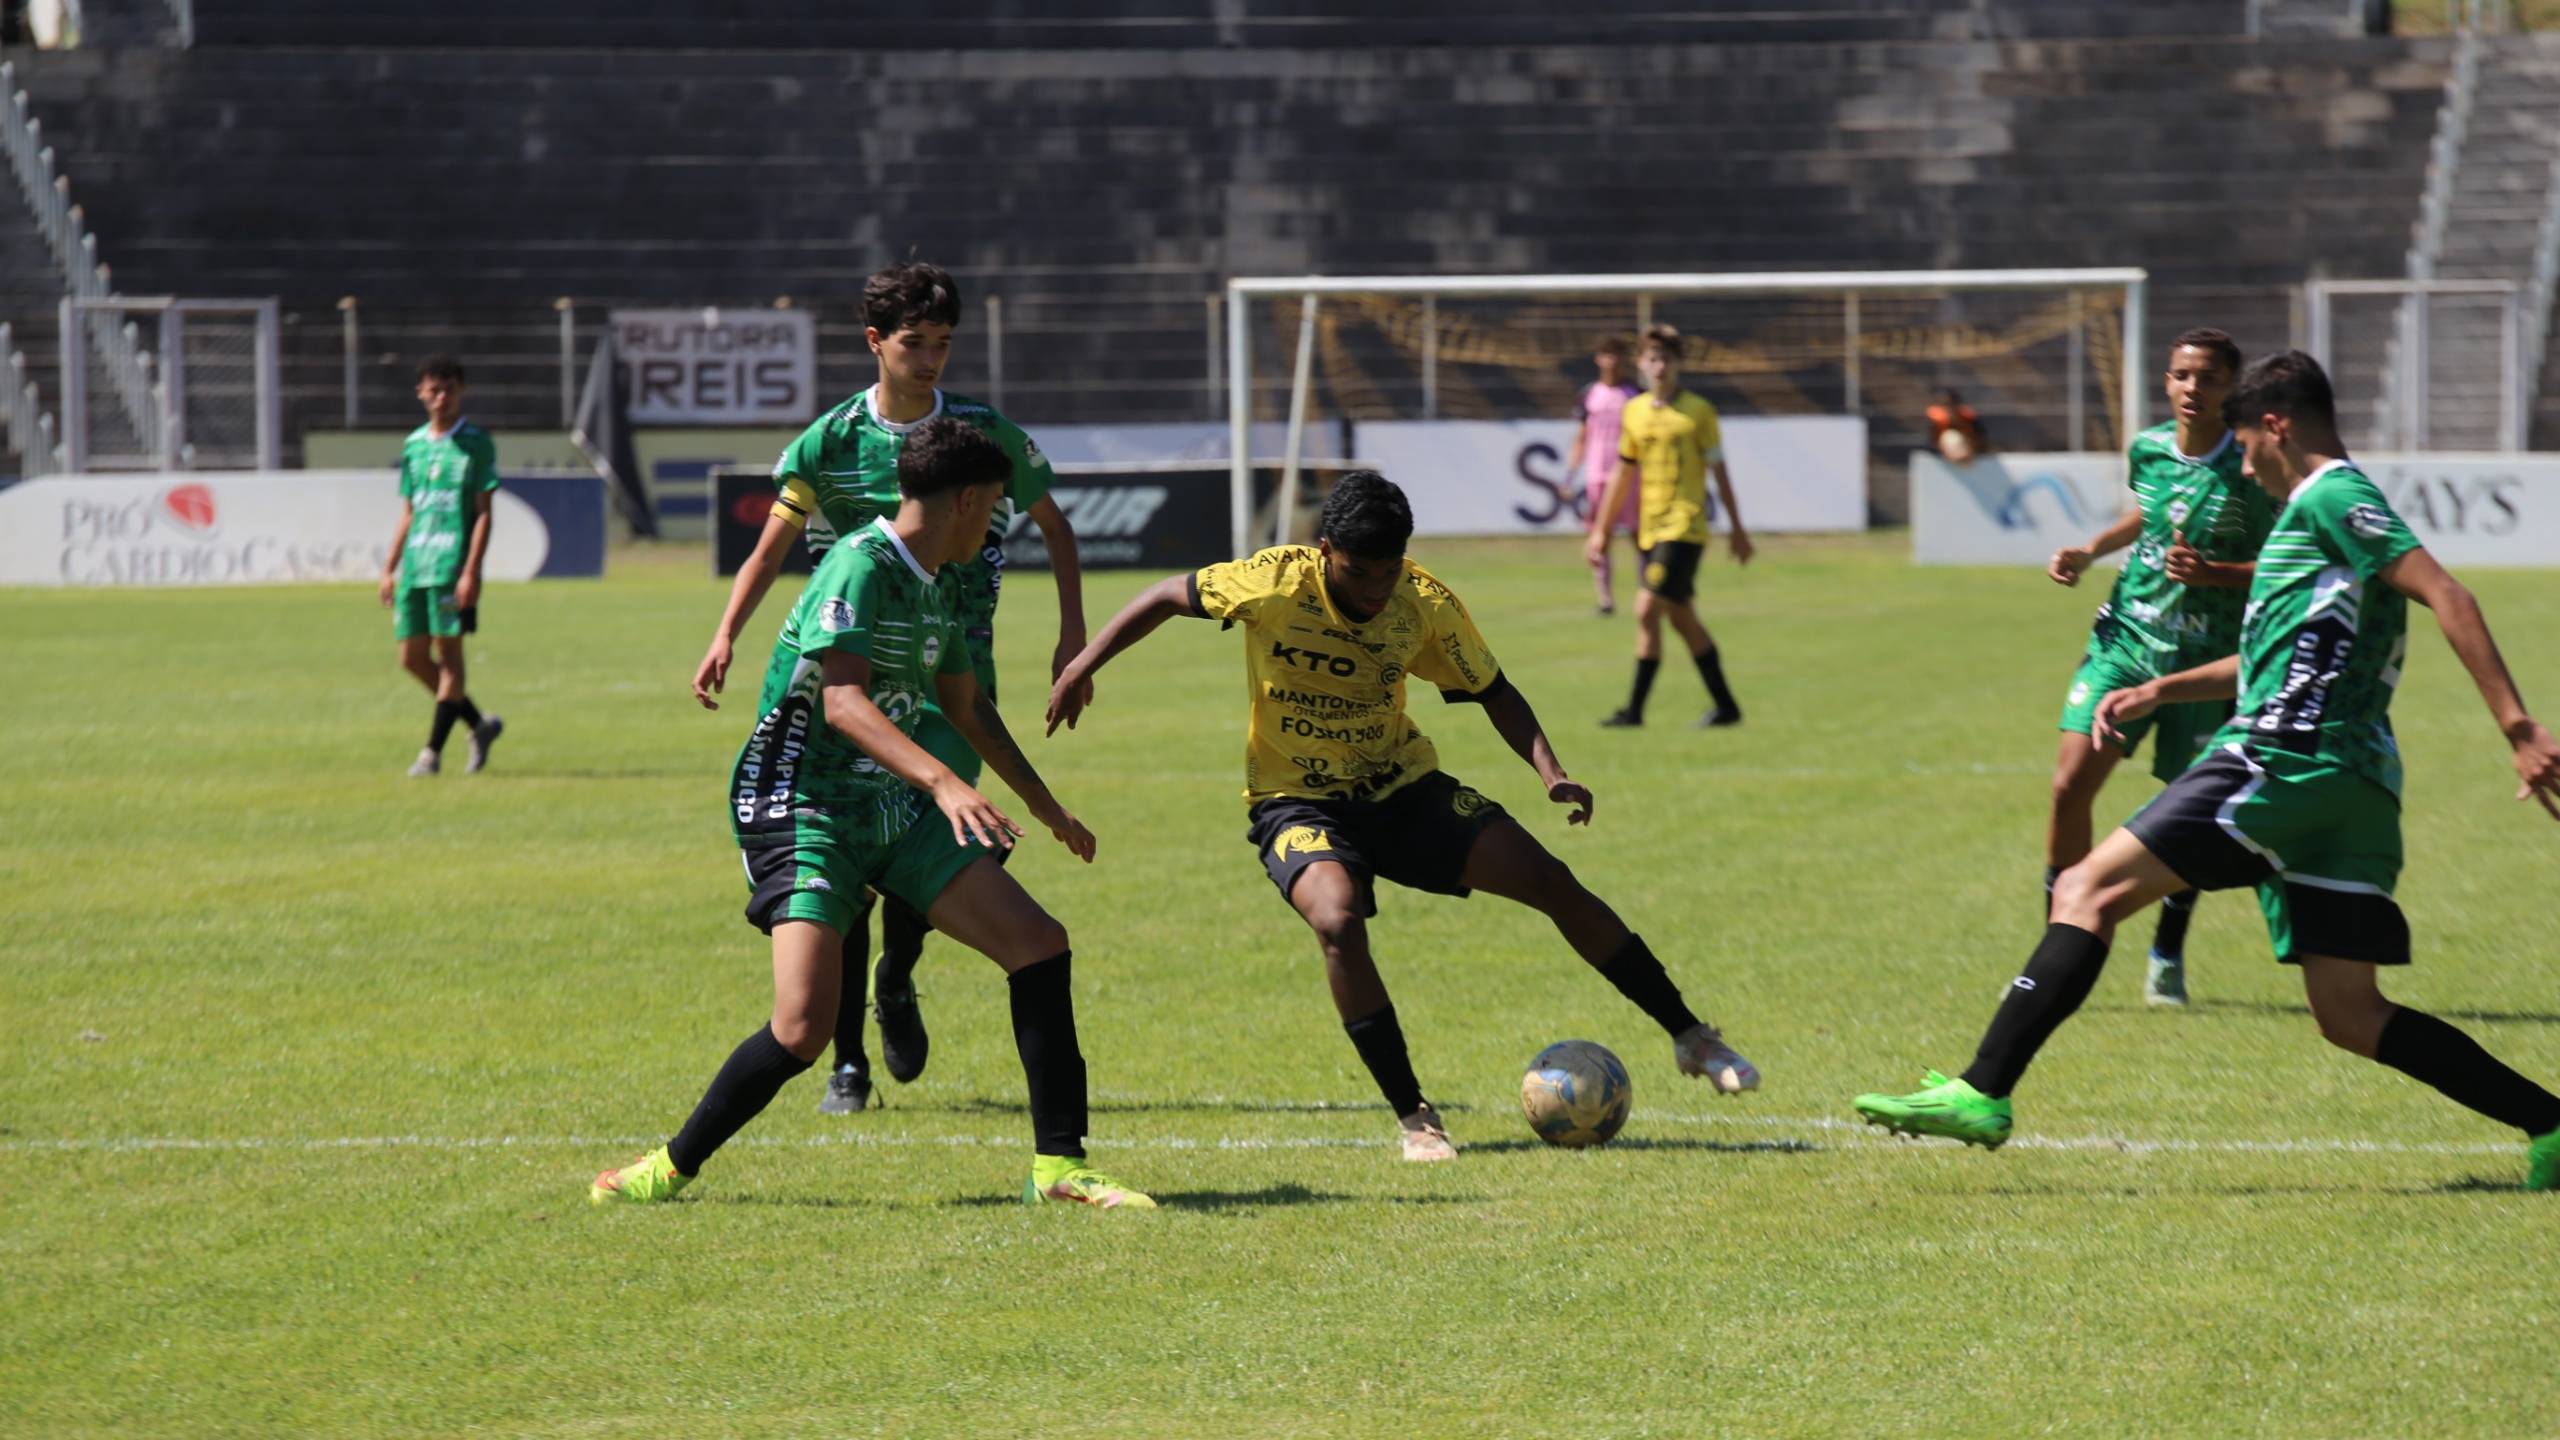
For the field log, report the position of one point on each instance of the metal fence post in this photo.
(568, 312)
(2077, 368)
(995, 351)
(270, 385)
(1851, 381)
(1430, 357)
(347, 343)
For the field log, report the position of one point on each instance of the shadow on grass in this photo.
(1267, 1197)
(2470, 1186)
(1648, 1142)
(2297, 1008)
(624, 772)
(990, 1105)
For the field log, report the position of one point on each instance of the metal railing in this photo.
(2540, 282)
(75, 249)
(31, 430)
(2426, 241)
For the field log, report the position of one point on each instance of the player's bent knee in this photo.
(803, 1035)
(1339, 929)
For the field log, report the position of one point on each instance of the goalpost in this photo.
(2072, 314)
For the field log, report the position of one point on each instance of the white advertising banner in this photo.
(228, 529)
(718, 367)
(1507, 477)
(2496, 510)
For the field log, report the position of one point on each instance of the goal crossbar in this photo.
(1243, 290)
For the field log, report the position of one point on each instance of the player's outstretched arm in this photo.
(466, 587)
(2537, 755)
(1739, 539)
(1066, 564)
(1517, 724)
(1138, 619)
(391, 563)
(975, 717)
(2069, 561)
(745, 594)
(845, 696)
(2219, 680)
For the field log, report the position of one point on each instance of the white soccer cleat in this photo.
(425, 765)
(1701, 1051)
(1425, 1139)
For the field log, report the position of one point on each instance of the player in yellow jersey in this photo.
(1670, 438)
(1344, 789)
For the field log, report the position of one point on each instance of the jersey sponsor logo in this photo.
(1303, 658)
(1390, 674)
(1457, 654)
(1031, 452)
(815, 882)
(835, 616)
(1344, 635)
(2079, 694)
(1318, 700)
(1301, 840)
(2370, 521)
(1335, 734)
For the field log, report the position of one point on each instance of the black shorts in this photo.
(1418, 837)
(1671, 568)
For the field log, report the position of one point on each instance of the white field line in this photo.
(1836, 1132)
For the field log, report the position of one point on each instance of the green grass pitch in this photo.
(308, 1064)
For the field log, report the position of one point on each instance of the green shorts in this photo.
(821, 871)
(2183, 728)
(429, 610)
(2320, 843)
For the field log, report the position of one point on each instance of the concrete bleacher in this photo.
(1106, 190)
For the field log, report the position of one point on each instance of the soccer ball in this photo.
(1576, 1094)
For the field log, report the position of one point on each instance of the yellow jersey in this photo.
(1674, 444)
(1326, 693)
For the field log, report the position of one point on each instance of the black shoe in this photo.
(848, 1091)
(903, 1043)
(1622, 719)
(1718, 719)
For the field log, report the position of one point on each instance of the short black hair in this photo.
(945, 454)
(2215, 343)
(913, 293)
(1667, 339)
(1366, 517)
(2288, 383)
(1610, 345)
(440, 367)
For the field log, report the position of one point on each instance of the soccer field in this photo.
(310, 1063)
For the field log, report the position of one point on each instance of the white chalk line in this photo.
(1837, 1132)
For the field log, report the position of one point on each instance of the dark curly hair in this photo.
(945, 454)
(910, 294)
(2288, 383)
(1366, 517)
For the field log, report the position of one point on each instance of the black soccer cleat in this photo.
(903, 1043)
(1622, 719)
(1719, 719)
(848, 1092)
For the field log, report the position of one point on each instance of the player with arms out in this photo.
(1595, 454)
(1344, 790)
(832, 794)
(2195, 528)
(1668, 443)
(448, 472)
(2298, 795)
(839, 476)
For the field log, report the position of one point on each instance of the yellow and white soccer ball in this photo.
(1576, 1094)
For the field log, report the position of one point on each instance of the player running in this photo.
(1343, 789)
(1595, 454)
(839, 476)
(1668, 442)
(431, 583)
(2195, 528)
(832, 794)
(2298, 795)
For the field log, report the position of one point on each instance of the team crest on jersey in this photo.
(2178, 512)
(1467, 804)
(2370, 521)
(1301, 840)
(835, 616)
(932, 651)
(1031, 451)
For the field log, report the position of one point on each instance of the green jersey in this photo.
(2206, 500)
(2320, 651)
(842, 473)
(870, 598)
(440, 475)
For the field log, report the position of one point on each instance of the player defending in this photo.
(1595, 454)
(840, 475)
(1344, 789)
(2299, 794)
(2195, 528)
(832, 794)
(431, 583)
(1668, 442)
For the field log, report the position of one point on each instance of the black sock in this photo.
(1644, 685)
(2044, 912)
(2170, 941)
(849, 1006)
(1640, 978)
(2057, 978)
(1711, 669)
(754, 1073)
(1380, 1041)
(2423, 1047)
(466, 712)
(443, 726)
(902, 931)
(1044, 1031)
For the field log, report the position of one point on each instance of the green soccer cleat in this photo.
(2542, 1162)
(1946, 1107)
(1068, 1178)
(644, 1181)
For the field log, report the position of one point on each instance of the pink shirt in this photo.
(1601, 405)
